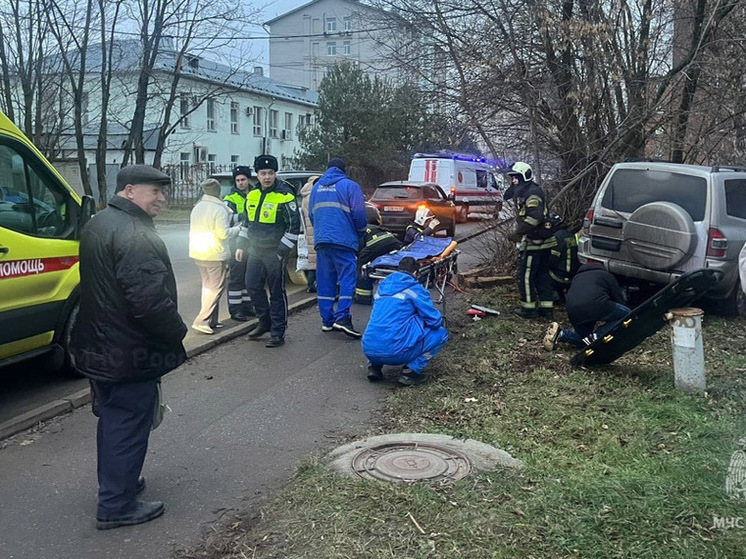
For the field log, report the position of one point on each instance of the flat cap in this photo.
(242, 170)
(265, 162)
(141, 174)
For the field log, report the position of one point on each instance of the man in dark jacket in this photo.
(594, 296)
(239, 302)
(127, 336)
(376, 242)
(271, 230)
(532, 275)
(337, 211)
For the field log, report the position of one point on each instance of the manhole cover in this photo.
(411, 462)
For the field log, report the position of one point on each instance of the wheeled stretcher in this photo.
(437, 258)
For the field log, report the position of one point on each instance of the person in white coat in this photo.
(209, 231)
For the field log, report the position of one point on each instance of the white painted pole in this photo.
(688, 350)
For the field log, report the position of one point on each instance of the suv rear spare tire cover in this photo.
(660, 235)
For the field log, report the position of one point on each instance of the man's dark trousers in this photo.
(125, 418)
(261, 268)
(239, 301)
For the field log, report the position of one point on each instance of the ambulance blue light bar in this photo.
(448, 155)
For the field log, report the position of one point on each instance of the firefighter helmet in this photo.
(422, 215)
(522, 171)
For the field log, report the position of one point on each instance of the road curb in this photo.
(80, 398)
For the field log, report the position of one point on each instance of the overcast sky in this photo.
(273, 9)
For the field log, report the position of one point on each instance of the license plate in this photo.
(393, 208)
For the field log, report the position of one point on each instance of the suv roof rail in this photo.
(646, 160)
(735, 168)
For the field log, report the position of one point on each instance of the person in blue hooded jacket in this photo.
(336, 209)
(405, 328)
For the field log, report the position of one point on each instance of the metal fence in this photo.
(185, 189)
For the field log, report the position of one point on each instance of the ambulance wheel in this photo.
(462, 214)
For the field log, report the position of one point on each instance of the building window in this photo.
(274, 116)
(234, 160)
(184, 158)
(331, 24)
(234, 118)
(287, 133)
(346, 47)
(184, 107)
(84, 109)
(211, 114)
(257, 121)
(347, 23)
(212, 162)
(331, 48)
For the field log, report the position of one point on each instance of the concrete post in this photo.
(688, 350)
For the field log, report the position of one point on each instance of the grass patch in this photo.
(618, 463)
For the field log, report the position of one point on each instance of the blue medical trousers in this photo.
(335, 265)
(125, 417)
(417, 357)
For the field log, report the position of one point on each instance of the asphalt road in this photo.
(31, 384)
(243, 417)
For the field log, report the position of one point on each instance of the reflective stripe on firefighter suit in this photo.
(404, 328)
(532, 275)
(564, 263)
(336, 209)
(375, 242)
(239, 301)
(271, 231)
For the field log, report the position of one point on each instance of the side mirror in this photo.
(87, 209)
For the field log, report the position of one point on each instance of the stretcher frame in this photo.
(436, 272)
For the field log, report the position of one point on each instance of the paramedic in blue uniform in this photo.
(128, 335)
(271, 230)
(404, 328)
(337, 212)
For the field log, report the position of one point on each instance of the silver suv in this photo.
(651, 222)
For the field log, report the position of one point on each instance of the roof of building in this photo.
(306, 5)
(127, 59)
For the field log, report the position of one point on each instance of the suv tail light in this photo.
(717, 244)
(587, 223)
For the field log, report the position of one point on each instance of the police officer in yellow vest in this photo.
(536, 232)
(239, 302)
(271, 230)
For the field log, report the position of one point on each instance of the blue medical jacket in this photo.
(337, 210)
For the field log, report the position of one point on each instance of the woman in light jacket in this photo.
(305, 192)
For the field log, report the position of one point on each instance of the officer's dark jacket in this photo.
(128, 328)
(592, 294)
(564, 263)
(236, 201)
(376, 241)
(272, 220)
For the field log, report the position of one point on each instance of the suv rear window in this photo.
(403, 192)
(735, 197)
(631, 188)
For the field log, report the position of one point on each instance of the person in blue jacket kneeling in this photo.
(405, 328)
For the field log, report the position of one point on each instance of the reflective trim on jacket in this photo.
(272, 220)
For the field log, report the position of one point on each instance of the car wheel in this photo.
(462, 213)
(733, 305)
(660, 235)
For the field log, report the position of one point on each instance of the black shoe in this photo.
(239, 317)
(275, 341)
(547, 313)
(526, 313)
(375, 373)
(345, 325)
(259, 330)
(140, 487)
(410, 378)
(145, 511)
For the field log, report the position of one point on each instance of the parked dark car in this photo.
(398, 202)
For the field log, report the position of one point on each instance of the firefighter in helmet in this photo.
(424, 223)
(536, 233)
(375, 242)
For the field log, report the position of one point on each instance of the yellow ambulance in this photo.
(41, 218)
